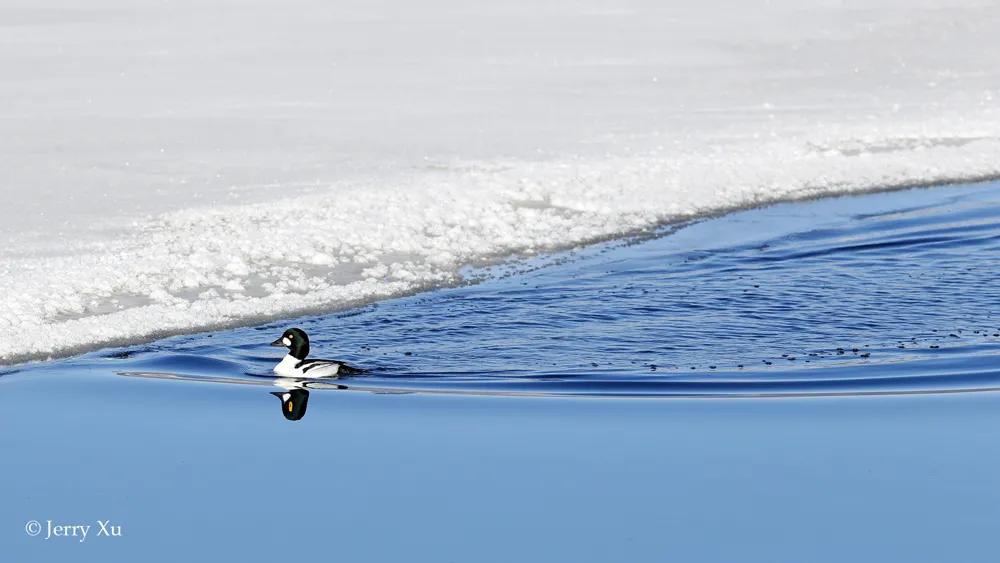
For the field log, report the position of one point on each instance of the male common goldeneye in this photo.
(295, 363)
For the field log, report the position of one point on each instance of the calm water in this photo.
(844, 354)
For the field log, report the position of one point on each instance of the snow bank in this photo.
(304, 158)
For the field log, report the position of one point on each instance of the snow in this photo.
(174, 166)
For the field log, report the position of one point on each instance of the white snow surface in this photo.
(170, 166)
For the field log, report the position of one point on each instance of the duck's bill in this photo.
(277, 342)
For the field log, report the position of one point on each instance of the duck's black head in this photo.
(296, 341)
(293, 403)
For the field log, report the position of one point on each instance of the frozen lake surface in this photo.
(179, 166)
(807, 381)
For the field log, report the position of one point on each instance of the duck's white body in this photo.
(296, 362)
(290, 366)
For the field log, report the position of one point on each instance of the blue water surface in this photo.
(811, 381)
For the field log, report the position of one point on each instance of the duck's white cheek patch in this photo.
(286, 341)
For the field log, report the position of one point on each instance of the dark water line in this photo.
(710, 391)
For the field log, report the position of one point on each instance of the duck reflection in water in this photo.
(293, 403)
(294, 395)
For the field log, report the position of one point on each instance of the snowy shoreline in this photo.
(168, 314)
(175, 168)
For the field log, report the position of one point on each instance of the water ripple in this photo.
(890, 293)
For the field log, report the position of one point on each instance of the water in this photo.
(843, 354)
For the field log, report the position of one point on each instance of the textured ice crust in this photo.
(211, 267)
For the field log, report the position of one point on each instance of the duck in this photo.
(295, 364)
